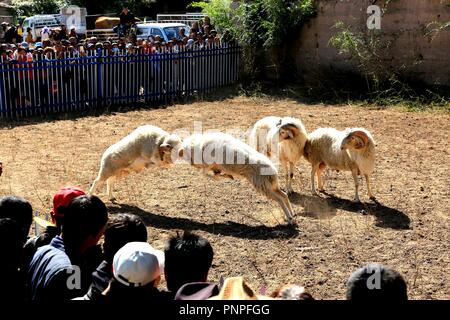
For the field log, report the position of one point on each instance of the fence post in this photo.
(2, 104)
(99, 63)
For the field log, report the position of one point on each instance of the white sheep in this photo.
(280, 139)
(227, 157)
(145, 146)
(349, 150)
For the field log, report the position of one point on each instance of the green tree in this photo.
(31, 7)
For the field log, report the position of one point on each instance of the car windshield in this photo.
(174, 32)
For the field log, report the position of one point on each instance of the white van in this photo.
(167, 31)
(36, 23)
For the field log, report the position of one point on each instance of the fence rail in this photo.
(71, 82)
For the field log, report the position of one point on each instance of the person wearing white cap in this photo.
(137, 269)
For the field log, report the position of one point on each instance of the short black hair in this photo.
(362, 284)
(85, 216)
(188, 258)
(120, 230)
(19, 210)
(11, 244)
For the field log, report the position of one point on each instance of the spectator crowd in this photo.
(59, 41)
(88, 254)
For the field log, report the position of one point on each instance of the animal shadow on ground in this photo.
(229, 228)
(322, 208)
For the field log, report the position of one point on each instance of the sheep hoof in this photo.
(372, 198)
(290, 222)
(356, 200)
(113, 199)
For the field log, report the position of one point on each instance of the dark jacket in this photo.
(36, 242)
(126, 18)
(100, 281)
(51, 271)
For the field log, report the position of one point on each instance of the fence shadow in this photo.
(220, 94)
(322, 208)
(229, 228)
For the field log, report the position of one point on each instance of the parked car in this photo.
(166, 31)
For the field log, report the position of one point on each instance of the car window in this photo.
(171, 32)
(174, 32)
(156, 32)
(141, 31)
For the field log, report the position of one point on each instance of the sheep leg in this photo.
(102, 176)
(109, 187)
(97, 183)
(319, 172)
(355, 179)
(369, 189)
(313, 176)
(287, 173)
(279, 196)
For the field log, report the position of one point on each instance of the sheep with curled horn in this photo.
(281, 139)
(349, 150)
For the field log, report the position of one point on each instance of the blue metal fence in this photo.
(70, 82)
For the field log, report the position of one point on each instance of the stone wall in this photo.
(404, 21)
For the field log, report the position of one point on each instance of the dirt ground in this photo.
(408, 230)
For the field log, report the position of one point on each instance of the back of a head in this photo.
(120, 230)
(376, 282)
(11, 244)
(85, 216)
(19, 210)
(188, 258)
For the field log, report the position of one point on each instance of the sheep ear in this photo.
(362, 136)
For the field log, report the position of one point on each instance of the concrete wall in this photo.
(404, 21)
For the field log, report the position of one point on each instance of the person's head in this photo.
(137, 269)
(84, 222)
(61, 201)
(207, 21)
(73, 41)
(120, 230)
(19, 210)
(49, 52)
(29, 29)
(11, 244)
(46, 43)
(188, 259)
(22, 51)
(376, 282)
(125, 10)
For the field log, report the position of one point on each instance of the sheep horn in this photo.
(362, 135)
(291, 127)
